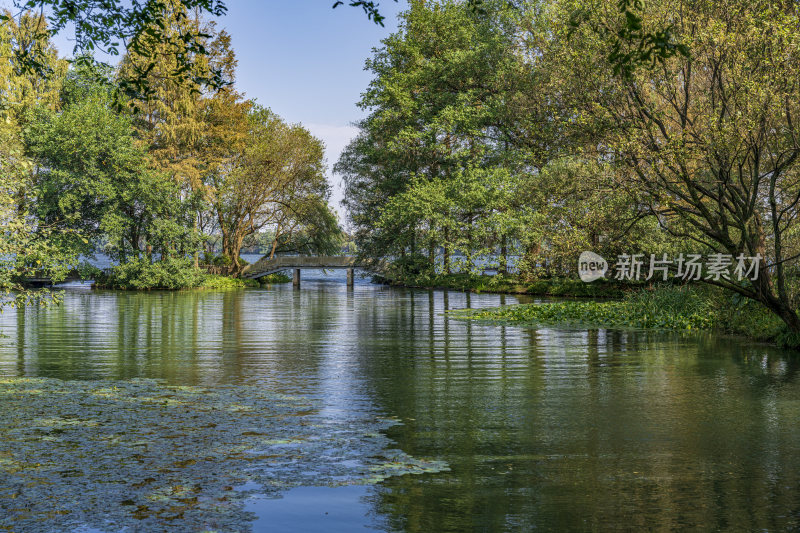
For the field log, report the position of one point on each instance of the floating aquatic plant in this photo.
(142, 455)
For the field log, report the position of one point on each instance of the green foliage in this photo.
(465, 153)
(411, 268)
(169, 274)
(76, 172)
(141, 274)
(102, 25)
(277, 277)
(513, 284)
(576, 204)
(661, 307)
(88, 271)
(697, 136)
(432, 165)
(27, 248)
(95, 180)
(264, 172)
(632, 46)
(788, 339)
(222, 261)
(147, 29)
(217, 282)
(533, 132)
(310, 228)
(370, 8)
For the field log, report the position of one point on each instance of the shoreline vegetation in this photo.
(480, 146)
(613, 304)
(173, 274)
(660, 306)
(603, 303)
(475, 144)
(513, 284)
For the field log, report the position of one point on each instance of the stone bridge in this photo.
(266, 266)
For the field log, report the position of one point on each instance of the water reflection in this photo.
(555, 429)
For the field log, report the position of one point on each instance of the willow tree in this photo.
(263, 173)
(712, 139)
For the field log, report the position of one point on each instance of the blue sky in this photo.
(305, 61)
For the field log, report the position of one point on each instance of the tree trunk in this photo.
(503, 256)
(235, 249)
(446, 251)
(789, 316)
(196, 251)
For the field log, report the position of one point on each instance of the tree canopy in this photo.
(536, 131)
(162, 180)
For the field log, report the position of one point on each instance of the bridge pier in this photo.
(296, 278)
(350, 277)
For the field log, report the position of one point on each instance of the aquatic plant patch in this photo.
(142, 455)
(512, 284)
(662, 307)
(605, 314)
(213, 281)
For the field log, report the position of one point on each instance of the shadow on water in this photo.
(555, 429)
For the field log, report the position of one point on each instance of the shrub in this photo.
(277, 277)
(216, 282)
(140, 274)
(220, 265)
(413, 268)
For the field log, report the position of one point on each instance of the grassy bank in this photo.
(661, 307)
(510, 284)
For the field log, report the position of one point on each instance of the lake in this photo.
(494, 428)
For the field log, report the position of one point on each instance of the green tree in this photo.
(27, 247)
(710, 140)
(442, 104)
(263, 173)
(28, 40)
(95, 181)
(170, 117)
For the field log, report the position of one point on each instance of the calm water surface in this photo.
(543, 429)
